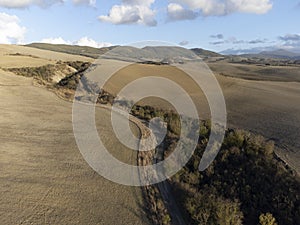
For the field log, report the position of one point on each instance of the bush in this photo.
(267, 219)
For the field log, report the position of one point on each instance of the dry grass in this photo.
(265, 107)
(9, 61)
(44, 179)
(257, 72)
(13, 56)
(136, 71)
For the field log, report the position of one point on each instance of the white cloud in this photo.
(27, 3)
(86, 2)
(217, 36)
(55, 41)
(219, 7)
(11, 31)
(290, 38)
(139, 2)
(290, 41)
(131, 12)
(254, 6)
(41, 3)
(85, 41)
(177, 12)
(184, 43)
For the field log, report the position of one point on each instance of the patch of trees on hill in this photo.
(71, 81)
(47, 72)
(246, 184)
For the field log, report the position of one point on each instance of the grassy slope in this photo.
(257, 72)
(96, 52)
(71, 49)
(44, 178)
(169, 70)
(202, 52)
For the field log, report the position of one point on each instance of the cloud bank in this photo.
(21, 4)
(195, 8)
(131, 12)
(290, 41)
(177, 12)
(290, 38)
(84, 41)
(11, 30)
(85, 2)
(27, 3)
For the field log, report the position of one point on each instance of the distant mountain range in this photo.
(147, 53)
(264, 53)
(276, 54)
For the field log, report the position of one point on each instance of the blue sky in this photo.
(211, 24)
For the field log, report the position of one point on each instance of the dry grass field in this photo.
(261, 72)
(136, 71)
(44, 179)
(14, 56)
(269, 108)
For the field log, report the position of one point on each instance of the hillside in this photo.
(164, 54)
(44, 179)
(16, 56)
(205, 53)
(238, 186)
(280, 53)
(72, 49)
(96, 52)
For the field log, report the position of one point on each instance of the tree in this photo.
(267, 219)
(207, 208)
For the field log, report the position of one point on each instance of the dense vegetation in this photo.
(71, 81)
(246, 184)
(44, 72)
(47, 72)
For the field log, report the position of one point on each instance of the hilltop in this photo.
(72, 49)
(96, 52)
(205, 53)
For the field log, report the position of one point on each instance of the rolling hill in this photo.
(72, 49)
(205, 53)
(96, 52)
(280, 53)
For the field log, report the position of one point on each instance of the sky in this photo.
(219, 25)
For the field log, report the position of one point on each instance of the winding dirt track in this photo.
(44, 179)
